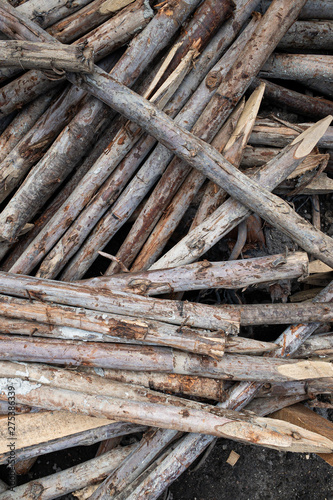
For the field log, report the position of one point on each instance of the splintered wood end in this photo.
(309, 138)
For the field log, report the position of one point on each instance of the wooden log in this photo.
(118, 330)
(232, 147)
(22, 123)
(47, 13)
(174, 312)
(49, 236)
(125, 138)
(36, 55)
(73, 478)
(204, 274)
(90, 384)
(318, 345)
(271, 133)
(299, 103)
(258, 156)
(46, 432)
(234, 344)
(204, 236)
(321, 184)
(223, 423)
(267, 406)
(111, 35)
(121, 145)
(304, 68)
(55, 204)
(310, 388)
(127, 70)
(302, 416)
(175, 383)
(151, 445)
(313, 35)
(86, 19)
(116, 356)
(242, 393)
(317, 9)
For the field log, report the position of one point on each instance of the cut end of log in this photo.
(309, 138)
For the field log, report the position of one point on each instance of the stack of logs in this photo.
(135, 183)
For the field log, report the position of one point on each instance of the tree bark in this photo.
(202, 275)
(231, 213)
(225, 423)
(304, 68)
(37, 55)
(63, 218)
(313, 35)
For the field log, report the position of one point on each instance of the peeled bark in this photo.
(221, 423)
(202, 275)
(36, 55)
(170, 311)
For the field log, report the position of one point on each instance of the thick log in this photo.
(313, 35)
(37, 55)
(314, 107)
(64, 217)
(175, 383)
(71, 479)
(86, 19)
(304, 68)
(316, 9)
(228, 215)
(46, 13)
(160, 359)
(202, 275)
(174, 312)
(318, 345)
(90, 384)
(310, 388)
(222, 423)
(121, 329)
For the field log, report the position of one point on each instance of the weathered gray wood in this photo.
(204, 274)
(123, 356)
(69, 211)
(223, 423)
(228, 215)
(110, 36)
(174, 312)
(37, 55)
(314, 107)
(47, 12)
(316, 9)
(318, 345)
(151, 445)
(88, 431)
(313, 35)
(86, 19)
(231, 144)
(310, 69)
(73, 478)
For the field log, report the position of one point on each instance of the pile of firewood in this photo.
(92, 172)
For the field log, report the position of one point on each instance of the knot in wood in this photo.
(213, 80)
